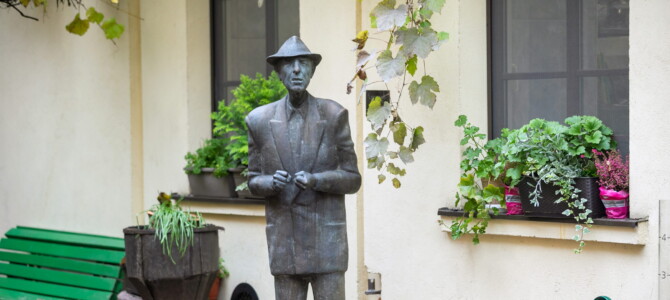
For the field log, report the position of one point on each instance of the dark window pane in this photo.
(607, 98)
(245, 38)
(538, 98)
(288, 20)
(605, 34)
(536, 36)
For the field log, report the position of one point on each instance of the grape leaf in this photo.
(393, 169)
(387, 15)
(112, 29)
(423, 92)
(94, 16)
(417, 138)
(381, 178)
(378, 112)
(396, 183)
(375, 147)
(77, 26)
(413, 42)
(406, 155)
(399, 132)
(411, 65)
(363, 57)
(25, 2)
(462, 119)
(360, 39)
(389, 67)
(433, 5)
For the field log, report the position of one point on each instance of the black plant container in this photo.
(153, 275)
(207, 185)
(588, 187)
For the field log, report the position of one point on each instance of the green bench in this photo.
(47, 264)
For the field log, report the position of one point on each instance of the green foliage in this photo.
(78, 25)
(173, 224)
(410, 37)
(555, 154)
(229, 147)
(223, 271)
(481, 162)
(229, 124)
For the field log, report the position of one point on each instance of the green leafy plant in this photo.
(407, 33)
(481, 164)
(229, 122)
(80, 24)
(552, 153)
(174, 226)
(223, 271)
(212, 154)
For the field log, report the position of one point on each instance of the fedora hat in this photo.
(291, 48)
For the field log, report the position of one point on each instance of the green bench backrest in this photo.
(48, 264)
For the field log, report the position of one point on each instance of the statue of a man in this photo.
(302, 160)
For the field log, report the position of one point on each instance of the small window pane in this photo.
(605, 34)
(536, 36)
(288, 20)
(245, 38)
(536, 98)
(607, 98)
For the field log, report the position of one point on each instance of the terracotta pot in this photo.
(214, 291)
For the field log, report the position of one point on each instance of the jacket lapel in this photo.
(279, 127)
(314, 127)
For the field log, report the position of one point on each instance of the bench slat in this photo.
(16, 295)
(62, 263)
(101, 255)
(54, 276)
(53, 289)
(67, 237)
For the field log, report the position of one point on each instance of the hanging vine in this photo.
(409, 37)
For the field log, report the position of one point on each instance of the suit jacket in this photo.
(306, 229)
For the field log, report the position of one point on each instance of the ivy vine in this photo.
(409, 36)
(80, 24)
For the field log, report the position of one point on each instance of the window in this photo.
(556, 58)
(244, 33)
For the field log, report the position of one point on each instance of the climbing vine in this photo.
(408, 37)
(79, 24)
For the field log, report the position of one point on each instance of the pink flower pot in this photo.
(616, 203)
(513, 201)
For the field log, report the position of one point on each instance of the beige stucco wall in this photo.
(418, 261)
(64, 124)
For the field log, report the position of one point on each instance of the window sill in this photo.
(619, 231)
(225, 206)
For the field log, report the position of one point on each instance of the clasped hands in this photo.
(303, 180)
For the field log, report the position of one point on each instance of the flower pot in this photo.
(513, 201)
(207, 185)
(214, 290)
(238, 178)
(155, 276)
(615, 202)
(588, 187)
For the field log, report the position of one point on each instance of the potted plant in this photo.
(174, 256)
(207, 170)
(613, 179)
(216, 286)
(231, 129)
(554, 167)
(480, 167)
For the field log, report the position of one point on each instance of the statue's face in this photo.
(295, 73)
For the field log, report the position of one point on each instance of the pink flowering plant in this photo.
(612, 170)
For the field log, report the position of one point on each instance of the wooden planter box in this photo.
(547, 208)
(207, 185)
(154, 275)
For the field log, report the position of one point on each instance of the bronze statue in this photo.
(302, 160)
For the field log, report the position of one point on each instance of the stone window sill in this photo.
(619, 231)
(225, 206)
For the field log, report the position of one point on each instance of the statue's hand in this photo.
(305, 180)
(280, 179)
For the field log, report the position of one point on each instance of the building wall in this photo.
(418, 261)
(64, 124)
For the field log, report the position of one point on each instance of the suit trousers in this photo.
(327, 286)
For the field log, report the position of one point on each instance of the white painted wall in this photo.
(64, 124)
(418, 261)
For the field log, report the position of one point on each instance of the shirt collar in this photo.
(302, 110)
